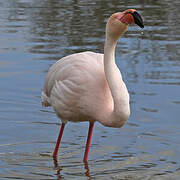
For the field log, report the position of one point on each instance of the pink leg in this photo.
(88, 142)
(58, 141)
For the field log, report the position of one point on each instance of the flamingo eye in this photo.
(128, 12)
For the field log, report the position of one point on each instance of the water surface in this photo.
(34, 35)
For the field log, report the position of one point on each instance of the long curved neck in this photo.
(117, 87)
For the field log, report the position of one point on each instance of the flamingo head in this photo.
(118, 22)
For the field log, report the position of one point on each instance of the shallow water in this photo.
(34, 35)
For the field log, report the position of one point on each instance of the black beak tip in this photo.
(142, 26)
(138, 19)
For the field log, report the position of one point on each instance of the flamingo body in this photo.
(88, 86)
(77, 89)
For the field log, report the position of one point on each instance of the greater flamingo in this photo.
(88, 86)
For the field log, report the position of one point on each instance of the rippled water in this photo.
(34, 35)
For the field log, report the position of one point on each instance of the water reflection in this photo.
(57, 167)
(87, 173)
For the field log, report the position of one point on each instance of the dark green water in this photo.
(34, 34)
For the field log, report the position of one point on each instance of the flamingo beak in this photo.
(137, 19)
